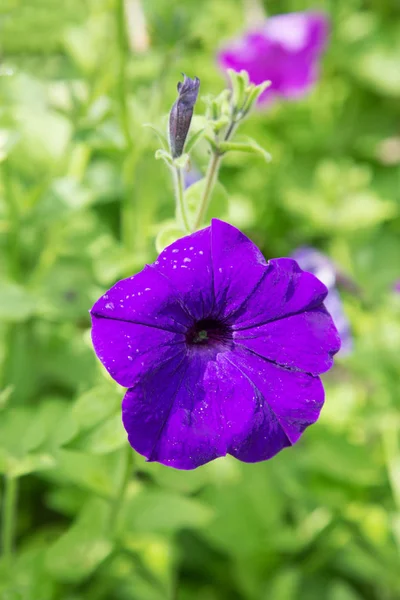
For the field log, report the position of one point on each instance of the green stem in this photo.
(128, 208)
(8, 515)
(211, 178)
(391, 449)
(180, 201)
(120, 497)
(13, 217)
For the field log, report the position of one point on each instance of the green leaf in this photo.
(28, 578)
(335, 457)
(5, 395)
(339, 590)
(241, 522)
(22, 436)
(284, 586)
(158, 510)
(161, 136)
(21, 431)
(8, 139)
(192, 141)
(218, 206)
(165, 156)
(29, 463)
(253, 93)
(47, 132)
(250, 147)
(182, 161)
(97, 473)
(16, 303)
(75, 555)
(96, 405)
(378, 65)
(239, 82)
(169, 233)
(107, 437)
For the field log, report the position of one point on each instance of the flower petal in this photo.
(334, 305)
(285, 50)
(128, 350)
(294, 397)
(147, 298)
(284, 290)
(298, 32)
(305, 341)
(173, 417)
(260, 435)
(187, 265)
(200, 409)
(238, 267)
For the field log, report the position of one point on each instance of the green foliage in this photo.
(82, 202)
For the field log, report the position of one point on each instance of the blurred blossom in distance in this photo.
(315, 262)
(286, 49)
(191, 176)
(136, 26)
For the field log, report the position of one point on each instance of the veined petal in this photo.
(187, 265)
(201, 409)
(306, 341)
(294, 397)
(284, 290)
(171, 418)
(238, 267)
(128, 350)
(219, 349)
(147, 298)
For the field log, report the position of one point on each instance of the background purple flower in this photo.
(191, 176)
(286, 50)
(322, 267)
(221, 350)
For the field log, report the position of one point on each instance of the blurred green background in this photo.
(81, 201)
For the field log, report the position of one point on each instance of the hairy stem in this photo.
(211, 178)
(180, 202)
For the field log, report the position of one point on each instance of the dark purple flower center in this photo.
(209, 333)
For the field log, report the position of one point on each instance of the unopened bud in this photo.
(181, 114)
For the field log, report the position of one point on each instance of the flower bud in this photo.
(181, 114)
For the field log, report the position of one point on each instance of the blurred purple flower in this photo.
(313, 261)
(396, 286)
(285, 50)
(191, 176)
(220, 349)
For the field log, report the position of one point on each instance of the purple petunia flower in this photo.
(285, 50)
(220, 350)
(322, 267)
